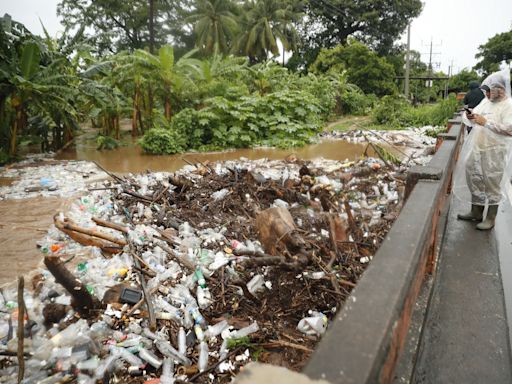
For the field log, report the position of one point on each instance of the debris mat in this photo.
(191, 275)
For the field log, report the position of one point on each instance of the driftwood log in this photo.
(89, 237)
(82, 301)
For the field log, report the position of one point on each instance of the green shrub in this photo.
(106, 142)
(162, 141)
(353, 101)
(398, 113)
(389, 111)
(323, 88)
(284, 118)
(4, 157)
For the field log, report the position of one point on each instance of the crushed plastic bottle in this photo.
(256, 284)
(315, 324)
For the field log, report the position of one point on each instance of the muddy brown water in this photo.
(7, 181)
(132, 159)
(24, 222)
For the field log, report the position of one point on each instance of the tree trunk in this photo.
(68, 134)
(135, 113)
(167, 108)
(117, 126)
(16, 128)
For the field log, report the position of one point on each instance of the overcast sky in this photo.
(456, 27)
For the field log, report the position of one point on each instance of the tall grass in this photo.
(396, 112)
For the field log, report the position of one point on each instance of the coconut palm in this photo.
(215, 25)
(264, 23)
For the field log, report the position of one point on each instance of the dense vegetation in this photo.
(201, 74)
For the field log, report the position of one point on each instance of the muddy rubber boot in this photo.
(476, 213)
(488, 223)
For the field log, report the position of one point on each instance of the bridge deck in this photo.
(465, 337)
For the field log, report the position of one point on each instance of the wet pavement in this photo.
(504, 239)
(465, 337)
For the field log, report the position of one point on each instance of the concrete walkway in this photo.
(465, 337)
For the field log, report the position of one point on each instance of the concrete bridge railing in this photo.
(366, 339)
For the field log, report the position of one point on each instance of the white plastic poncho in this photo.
(483, 172)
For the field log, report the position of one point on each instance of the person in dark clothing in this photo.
(474, 96)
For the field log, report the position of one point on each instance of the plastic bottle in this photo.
(246, 331)
(68, 336)
(196, 315)
(82, 267)
(150, 357)
(105, 365)
(223, 351)
(88, 365)
(169, 312)
(204, 297)
(126, 355)
(216, 329)
(167, 372)
(256, 284)
(168, 350)
(188, 320)
(199, 332)
(62, 353)
(203, 356)
(182, 342)
(201, 281)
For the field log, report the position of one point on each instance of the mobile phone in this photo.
(469, 111)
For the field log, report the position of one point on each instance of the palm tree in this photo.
(265, 22)
(215, 26)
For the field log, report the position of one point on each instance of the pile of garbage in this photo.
(412, 146)
(42, 176)
(191, 275)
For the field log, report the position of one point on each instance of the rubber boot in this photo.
(476, 213)
(488, 223)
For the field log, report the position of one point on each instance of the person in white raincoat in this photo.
(487, 151)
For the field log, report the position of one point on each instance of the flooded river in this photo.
(130, 158)
(24, 222)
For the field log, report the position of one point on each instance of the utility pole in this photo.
(408, 63)
(430, 67)
(447, 81)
